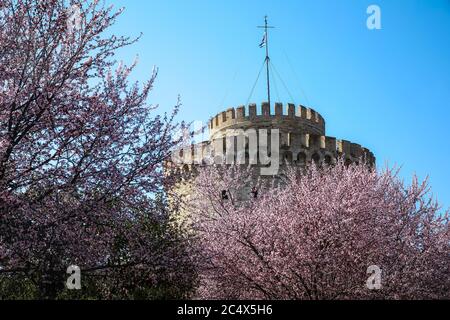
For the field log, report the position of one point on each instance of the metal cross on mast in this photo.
(266, 43)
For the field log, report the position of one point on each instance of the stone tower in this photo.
(301, 135)
(301, 141)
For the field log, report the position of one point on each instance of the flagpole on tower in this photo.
(265, 43)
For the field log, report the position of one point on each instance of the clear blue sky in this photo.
(388, 89)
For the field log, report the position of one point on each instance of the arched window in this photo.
(254, 193)
(301, 158)
(348, 162)
(288, 156)
(224, 195)
(316, 158)
(328, 159)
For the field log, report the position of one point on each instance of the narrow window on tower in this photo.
(225, 195)
(254, 193)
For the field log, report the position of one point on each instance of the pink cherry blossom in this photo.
(80, 152)
(315, 234)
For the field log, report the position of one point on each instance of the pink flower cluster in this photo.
(314, 235)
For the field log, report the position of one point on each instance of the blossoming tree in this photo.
(80, 152)
(328, 233)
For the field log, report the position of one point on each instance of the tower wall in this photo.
(287, 118)
(301, 135)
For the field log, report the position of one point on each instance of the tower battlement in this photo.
(288, 116)
(301, 130)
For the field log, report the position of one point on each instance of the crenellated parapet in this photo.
(238, 135)
(265, 140)
(303, 149)
(300, 148)
(286, 117)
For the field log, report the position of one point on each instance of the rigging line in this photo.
(282, 81)
(227, 92)
(230, 86)
(275, 85)
(256, 82)
(284, 84)
(297, 78)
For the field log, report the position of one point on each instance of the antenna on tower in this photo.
(265, 43)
